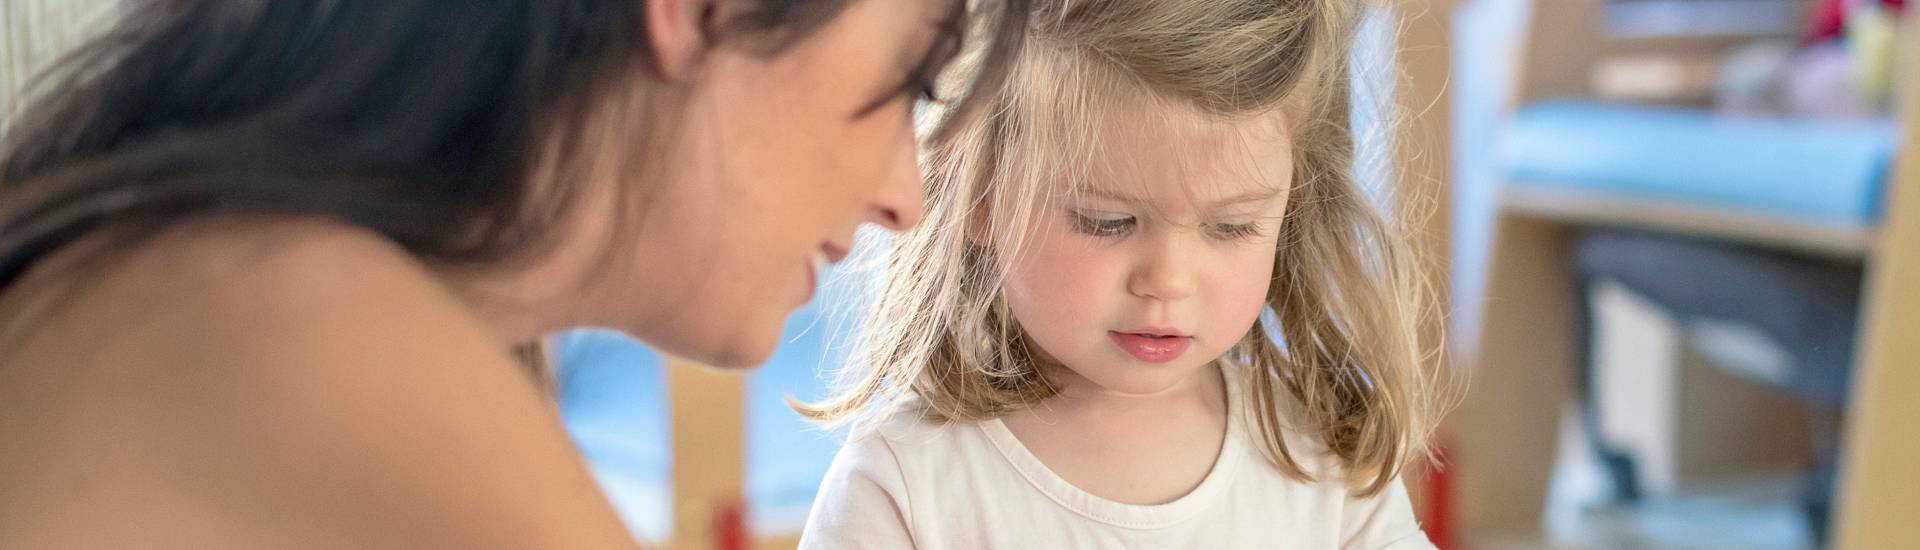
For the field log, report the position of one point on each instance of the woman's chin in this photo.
(740, 348)
(747, 352)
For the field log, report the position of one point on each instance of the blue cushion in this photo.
(1828, 171)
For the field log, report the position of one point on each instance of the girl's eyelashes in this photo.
(1236, 231)
(1102, 224)
(1113, 224)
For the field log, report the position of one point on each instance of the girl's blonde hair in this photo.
(1346, 298)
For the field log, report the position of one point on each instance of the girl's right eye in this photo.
(1102, 224)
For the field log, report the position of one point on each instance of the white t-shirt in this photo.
(914, 483)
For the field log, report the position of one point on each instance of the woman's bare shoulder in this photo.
(272, 382)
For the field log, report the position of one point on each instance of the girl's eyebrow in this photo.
(1258, 195)
(1261, 195)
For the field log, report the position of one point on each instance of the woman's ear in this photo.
(678, 32)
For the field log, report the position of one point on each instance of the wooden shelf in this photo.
(1829, 240)
(1524, 363)
(1695, 44)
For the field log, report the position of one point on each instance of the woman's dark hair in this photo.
(418, 119)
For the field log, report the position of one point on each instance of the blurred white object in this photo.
(1655, 78)
(1741, 350)
(1870, 39)
(1821, 84)
(1670, 402)
(34, 33)
(1752, 79)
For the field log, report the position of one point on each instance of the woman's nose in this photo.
(902, 198)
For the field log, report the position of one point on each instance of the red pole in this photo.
(730, 527)
(1439, 508)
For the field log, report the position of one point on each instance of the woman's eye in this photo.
(1102, 224)
(924, 90)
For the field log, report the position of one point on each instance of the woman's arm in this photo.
(328, 394)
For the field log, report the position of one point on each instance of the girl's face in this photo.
(776, 160)
(1161, 262)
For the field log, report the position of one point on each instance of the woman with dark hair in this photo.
(263, 263)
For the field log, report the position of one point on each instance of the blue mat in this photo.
(1829, 171)
(613, 399)
(786, 455)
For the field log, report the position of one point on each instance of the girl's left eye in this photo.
(1102, 224)
(1236, 230)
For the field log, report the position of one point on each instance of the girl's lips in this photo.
(1153, 330)
(1150, 346)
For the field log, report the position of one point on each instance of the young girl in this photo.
(1148, 307)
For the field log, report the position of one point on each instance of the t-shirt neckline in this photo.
(1120, 514)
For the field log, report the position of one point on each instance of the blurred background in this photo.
(1681, 240)
(1674, 261)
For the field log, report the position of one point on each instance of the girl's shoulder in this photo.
(911, 441)
(908, 424)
